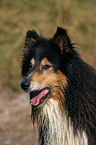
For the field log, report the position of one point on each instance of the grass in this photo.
(18, 16)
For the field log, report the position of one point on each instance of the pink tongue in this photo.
(35, 101)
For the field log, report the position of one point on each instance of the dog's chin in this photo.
(38, 97)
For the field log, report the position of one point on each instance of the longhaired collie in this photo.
(62, 90)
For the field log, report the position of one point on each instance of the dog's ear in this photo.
(31, 38)
(62, 39)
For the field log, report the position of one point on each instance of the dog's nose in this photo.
(25, 85)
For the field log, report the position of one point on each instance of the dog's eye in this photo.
(45, 67)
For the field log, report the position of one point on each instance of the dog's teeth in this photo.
(45, 91)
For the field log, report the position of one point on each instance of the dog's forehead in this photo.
(46, 49)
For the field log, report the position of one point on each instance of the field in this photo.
(17, 17)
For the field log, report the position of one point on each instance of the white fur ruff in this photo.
(56, 127)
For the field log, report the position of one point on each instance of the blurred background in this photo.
(17, 17)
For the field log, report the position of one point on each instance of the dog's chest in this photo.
(55, 129)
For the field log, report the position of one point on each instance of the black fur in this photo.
(80, 94)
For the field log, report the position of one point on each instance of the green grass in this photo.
(18, 16)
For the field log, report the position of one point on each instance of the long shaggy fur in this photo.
(68, 116)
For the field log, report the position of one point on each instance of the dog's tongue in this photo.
(39, 98)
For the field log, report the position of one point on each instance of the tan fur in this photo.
(42, 79)
(45, 62)
(33, 62)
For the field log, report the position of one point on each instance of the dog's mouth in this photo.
(38, 97)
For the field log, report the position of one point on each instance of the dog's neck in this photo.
(56, 128)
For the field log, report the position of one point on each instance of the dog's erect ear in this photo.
(31, 38)
(62, 39)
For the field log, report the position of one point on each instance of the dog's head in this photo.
(43, 66)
